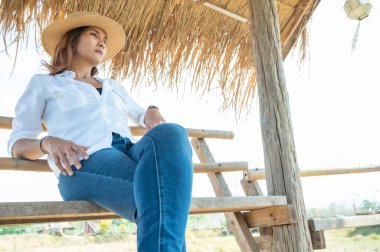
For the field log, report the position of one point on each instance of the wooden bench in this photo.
(242, 213)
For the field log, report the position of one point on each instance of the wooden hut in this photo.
(242, 42)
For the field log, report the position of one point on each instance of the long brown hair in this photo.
(63, 53)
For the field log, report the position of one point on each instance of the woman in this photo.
(147, 181)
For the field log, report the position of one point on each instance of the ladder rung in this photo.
(6, 123)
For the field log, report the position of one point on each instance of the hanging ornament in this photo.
(357, 10)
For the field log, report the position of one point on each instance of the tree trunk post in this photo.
(280, 159)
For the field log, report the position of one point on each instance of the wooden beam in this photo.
(318, 239)
(252, 188)
(270, 216)
(235, 221)
(6, 123)
(50, 211)
(276, 127)
(41, 165)
(318, 224)
(259, 174)
(296, 23)
(20, 164)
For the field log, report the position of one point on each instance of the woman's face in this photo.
(91, 46)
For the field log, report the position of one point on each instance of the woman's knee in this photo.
(172, 134)
(168, 130)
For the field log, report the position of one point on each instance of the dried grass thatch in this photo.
(170, 38)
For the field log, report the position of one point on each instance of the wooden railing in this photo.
(242, 213)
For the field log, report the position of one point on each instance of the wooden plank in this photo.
(252, 188)
(41, 165)
(259, 174)
(75, 210)
(221, 167)
(235, 221)
(318, 224)
(318, 239)
(6, 123)
(270, 216)
(234, 204)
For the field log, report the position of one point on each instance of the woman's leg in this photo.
(162, 187)
(106, 178)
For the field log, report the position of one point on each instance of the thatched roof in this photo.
(170, 38)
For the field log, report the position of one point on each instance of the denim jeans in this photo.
(148, 182)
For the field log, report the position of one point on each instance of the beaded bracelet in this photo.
(42, 149)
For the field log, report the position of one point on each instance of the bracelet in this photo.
(42, 149)
(153, 106)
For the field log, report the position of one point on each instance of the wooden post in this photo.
(276, 127)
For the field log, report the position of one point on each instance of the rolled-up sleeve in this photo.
(135, 112)
(28, 114)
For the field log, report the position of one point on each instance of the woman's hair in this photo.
(63, 53)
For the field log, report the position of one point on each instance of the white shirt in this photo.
(74, 110)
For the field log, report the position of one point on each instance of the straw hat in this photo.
(54, 32)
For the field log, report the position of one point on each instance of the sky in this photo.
(334, 105)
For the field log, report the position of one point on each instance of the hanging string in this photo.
(355, 39)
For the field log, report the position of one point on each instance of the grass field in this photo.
(201, 240)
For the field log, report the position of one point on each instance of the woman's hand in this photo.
(62, 150)
(153, 118)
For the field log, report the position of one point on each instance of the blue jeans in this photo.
(148, 182)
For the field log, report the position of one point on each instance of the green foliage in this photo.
(11, 230)
(122, 228)
(368, 205)
(104, 226)
(19, 229)
(365, 231)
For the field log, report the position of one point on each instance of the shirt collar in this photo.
(72, 74)
(67, 73)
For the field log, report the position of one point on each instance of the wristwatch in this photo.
(153, 106)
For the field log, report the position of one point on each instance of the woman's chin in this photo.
(97, 61)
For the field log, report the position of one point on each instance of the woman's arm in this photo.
(27, 148)
(26, 125)
(147, 118)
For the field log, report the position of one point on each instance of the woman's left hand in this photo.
(153, 118)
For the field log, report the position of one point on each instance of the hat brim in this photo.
(54, 32)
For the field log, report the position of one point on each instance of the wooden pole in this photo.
(277, 133)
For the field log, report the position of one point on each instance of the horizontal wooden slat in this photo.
(12, 213)
(318, 224)
(221, 167)
(234, 204)
(41, 165)
(6, 123)
(270, 216)
(259, 174)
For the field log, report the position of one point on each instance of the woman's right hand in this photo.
(62, 150)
